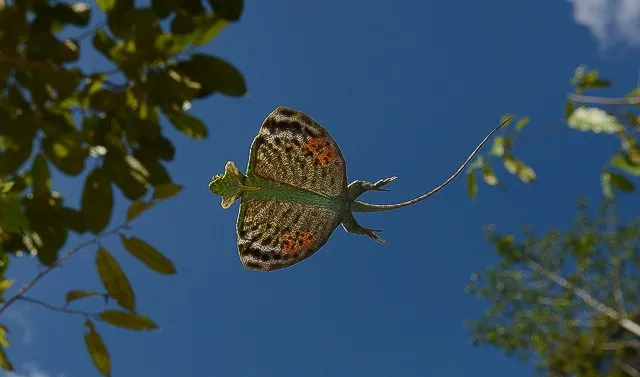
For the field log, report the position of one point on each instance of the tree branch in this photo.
(604, 100)
(59, 262)
(586, 297)
(59, 309)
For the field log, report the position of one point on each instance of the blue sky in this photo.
(406, 89)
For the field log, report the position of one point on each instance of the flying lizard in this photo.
(295, 193)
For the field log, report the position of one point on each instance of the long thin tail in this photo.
(366, 207)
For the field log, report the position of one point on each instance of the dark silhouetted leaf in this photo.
(114, 280)
(228, 9)
(74, 295)
(136, 208)
(12, 218)
(215, 75)
(97, 350)
(621, 182)
(166, 190)
(148, 255)
(130, 321)
(41, 177)
(97, 201)
(188, 125)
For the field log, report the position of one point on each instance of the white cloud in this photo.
(29, 370)
(19, 318)
(610, 21)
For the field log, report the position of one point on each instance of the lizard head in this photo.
(229, 185)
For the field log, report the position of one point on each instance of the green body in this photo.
(294, 193)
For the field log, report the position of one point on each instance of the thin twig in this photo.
(604, 100)
(586, 297)
(58, 309)
(59, 262)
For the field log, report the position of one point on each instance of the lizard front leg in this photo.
(357, 188)
(350, 224)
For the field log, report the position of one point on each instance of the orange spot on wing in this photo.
(289, 245)
(326, 157)
(315, 145)
(304, 239)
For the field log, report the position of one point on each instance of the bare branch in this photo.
(604, 100)
(586, 297)
(59, 309)
(59, 262)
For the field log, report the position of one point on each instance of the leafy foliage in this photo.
(562, 297)
(59, 116)
(608, 118)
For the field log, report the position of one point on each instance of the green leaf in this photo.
(526, 173)
(106, 5)
(114, 280)
(166, 190)
(605, 183)
(74, 295)
(594, 120)
(130, 321)
(522, 122)
(228, 9)
(508, 118)
(12, 218)
(472, 186)
(6, 186)
(6, 284)
(136, 208)
(488, 176)
(97, 201)
(498, 147)
(568, 109)
(148, 255)
(208, 29)
(97, 349)
(623, 162)
(188, 125)
(621, 182)
(215, 75)
(41, 176)
(3, 336)
(103, 43)
(128, 174)
(4, 361)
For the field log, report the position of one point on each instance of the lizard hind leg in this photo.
(350, 224)
(357, 188)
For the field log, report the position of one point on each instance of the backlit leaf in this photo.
(74, 295)
(522, 122)
(623, 162)
(4, 361)
(97, 349)
(472, 186)
(166, 190)
(488, 176)
(136, 208)
(106, 5)
(114, 280)
(130, 321)
(148, 255)
(594, 120)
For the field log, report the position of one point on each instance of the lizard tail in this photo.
(367, 207)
